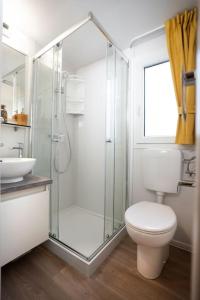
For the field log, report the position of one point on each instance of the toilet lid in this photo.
(150, 217)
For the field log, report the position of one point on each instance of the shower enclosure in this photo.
(79, 136)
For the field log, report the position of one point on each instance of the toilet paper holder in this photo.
(186, 183)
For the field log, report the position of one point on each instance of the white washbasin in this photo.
(13, 169)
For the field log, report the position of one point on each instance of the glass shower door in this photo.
(120, 149)
(56, 141)
(43, 95)
(110, 145)
(116, 115)
(79, 139)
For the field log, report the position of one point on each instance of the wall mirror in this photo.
(13, 87)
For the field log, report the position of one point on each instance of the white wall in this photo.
(90, 136)
(182, 203)
(84, 182)
(10, 139)
(67, 180)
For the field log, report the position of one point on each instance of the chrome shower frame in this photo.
(71, 30)
(88, 265)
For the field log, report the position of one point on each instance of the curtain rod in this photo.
(160, 28)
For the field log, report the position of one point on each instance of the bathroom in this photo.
(98, 183)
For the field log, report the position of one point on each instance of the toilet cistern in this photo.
(161, 171)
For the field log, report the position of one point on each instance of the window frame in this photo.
(149, 51)
(140, 137)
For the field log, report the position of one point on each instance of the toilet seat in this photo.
(150, 218)
(146, 231)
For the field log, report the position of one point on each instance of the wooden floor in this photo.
(42, 275)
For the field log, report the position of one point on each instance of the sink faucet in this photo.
(20, 149)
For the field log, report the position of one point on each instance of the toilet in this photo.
(152, 225)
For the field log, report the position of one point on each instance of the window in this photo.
(160, 109)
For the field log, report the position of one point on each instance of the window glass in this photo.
(160, 113)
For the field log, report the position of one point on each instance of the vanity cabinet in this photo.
(24, 222)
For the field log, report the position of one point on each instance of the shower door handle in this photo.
(108, 141)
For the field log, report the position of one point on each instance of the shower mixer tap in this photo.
(59, 90)
(58, 138)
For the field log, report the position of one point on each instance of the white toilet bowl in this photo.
(151, 226)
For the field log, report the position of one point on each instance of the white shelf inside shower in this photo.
(75, 95)
(75, 107)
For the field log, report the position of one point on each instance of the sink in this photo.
(13, 169)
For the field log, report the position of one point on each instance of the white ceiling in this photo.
(43, 20)
(83, 47)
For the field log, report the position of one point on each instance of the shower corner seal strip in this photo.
(85, 267)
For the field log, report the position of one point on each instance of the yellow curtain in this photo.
(181, 42)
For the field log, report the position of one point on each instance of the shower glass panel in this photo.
(110, 145)
(43, 94)
(120, 151)
(81, 116)
(116, 115)
(42, 112)
(79, 138)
